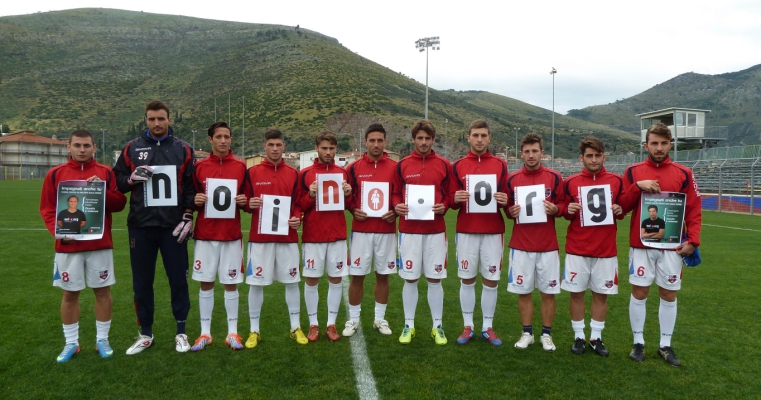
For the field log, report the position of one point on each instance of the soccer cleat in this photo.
(638, 352)
(350, 328)
(253, 339)
(104, 348)
(332, 333)
(526, 340)
(143, 342)
(668, 354)
(234, 341)
(466, 335)
(491, 336)
(201, 343)
(547, 344)
(382, 327)
(438, 335)
(299, 337)
(314, 333)
(68, 351)
(181, 343)
(579, 345)
(407, 335)
(599, 347)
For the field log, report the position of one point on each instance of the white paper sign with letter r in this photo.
(531, 198)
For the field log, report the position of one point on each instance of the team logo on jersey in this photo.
(391, 265)
(232, 273)
(103, 274)
(553, 283)
(339, 265)
(492, 269)
(131, 243)
(608, 284)
(438, 268)
(547, 193)
(672, 278)
(293, 272)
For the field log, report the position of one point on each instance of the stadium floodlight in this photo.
(432, 42)
(103, 132)
(553, 72)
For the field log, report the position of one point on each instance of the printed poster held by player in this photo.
(81, 209)
(221, 198)
(662, 219)
(375, 198)
(595, 202)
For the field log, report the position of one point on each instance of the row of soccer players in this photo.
(421, 244)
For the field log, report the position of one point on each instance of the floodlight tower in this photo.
(103, 132)
(422, 45)
(553, 72)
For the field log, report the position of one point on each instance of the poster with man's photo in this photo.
(81, 210)
(662, 219)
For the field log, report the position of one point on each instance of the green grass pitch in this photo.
(716, 334)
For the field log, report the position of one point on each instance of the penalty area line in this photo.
(732, 227)
(365, 381)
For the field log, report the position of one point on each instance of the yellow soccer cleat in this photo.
(253, 339)
(438, 335)
(299, 337)
(407, 335)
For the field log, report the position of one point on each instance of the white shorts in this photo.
(665, 266)
(366, 247)
(422, 253)
(71, 270)
(268, 261)
(486, 248)
(212, 258)
(582, 273)
(529, 270)
(327, 257)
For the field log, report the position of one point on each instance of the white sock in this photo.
(101, 329)
(293, 302)
(488, 305)
(380, 311)
(71, 333)
(409, 300)
(597, 327)
(334, 301)
(468, 303)
(206, 306)
(578, 329)
(231, 306)
(667, 318)
(354, 312)
(255, 300)
(311, 299)
(436, 302)
(637, 312)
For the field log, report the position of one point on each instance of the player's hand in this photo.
(389, 216)
(255, 202)
(461, 196)
(617, 210)
(294, 222)
(515, 210)
(685, 249)
(439, 209)
(200, 199)
(140, 174)
(574, 207)
(359, 215)
(240, 200)
(347, 189)
(313, 189)
(649, 186)
(402, 209)
(501, 198)
(94, 178)
(184, 229)
(549, 208)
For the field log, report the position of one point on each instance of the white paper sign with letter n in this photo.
(375, 198)
(220, 202)
(595, 204)
(420, 200)
(530, 199)
(161, 189)
(481, 190)
(330, 194)
(274, 214)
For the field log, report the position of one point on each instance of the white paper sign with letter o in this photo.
(531, 198)
(274, 214)
(481, 190)
(220, 202)
(375, 198)
(420, 200)
(595, 204)
(161, 189)
(330, 194)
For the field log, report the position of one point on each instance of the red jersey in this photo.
(671, 177)
(591, 241)
(321, 226)
(73, 170)
(227, 167)
(470, 165)
(539, 237)
(367, 170)
(277, 180)
(423, 170)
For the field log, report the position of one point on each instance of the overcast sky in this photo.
(603, 50)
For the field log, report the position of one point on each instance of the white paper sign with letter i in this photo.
(595, 204)
(330, 194)
(274, 214)
(161, 189)
(420, 200)
(481, 190)
(220, 198)
(375, 198)
(531, 198)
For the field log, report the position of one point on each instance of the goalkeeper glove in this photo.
(140, 174)
(184, 229)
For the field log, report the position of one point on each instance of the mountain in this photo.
(96, 69)
(733, 98)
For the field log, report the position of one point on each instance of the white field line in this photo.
(365, 381)
(732, 227)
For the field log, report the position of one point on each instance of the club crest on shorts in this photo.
(103, 274)
(391, 265)
(672, 278)
(608, 284)
(438, 268)
(232, 273)
(131, 243)
(293, 272)
(553, 283)
(492, 269)
(339, 265)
